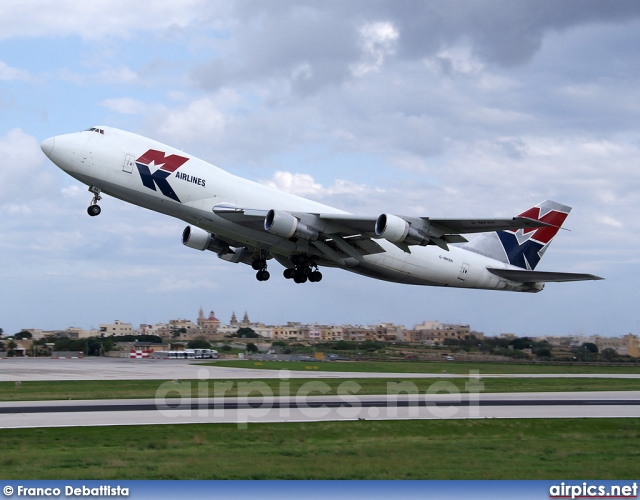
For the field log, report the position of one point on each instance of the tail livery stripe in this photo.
(525, 247)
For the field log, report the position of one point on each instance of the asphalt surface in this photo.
(263, 407)
(26, 369)
(243, 411)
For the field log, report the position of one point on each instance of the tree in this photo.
(252, 348)
(342, 345)
(522, 343)
(23, 335)
(175, 332)
(609, 354)
(247, 333)
(542, 352)
(591, 347)
(108, 344)
(10, 348)
(199, 344)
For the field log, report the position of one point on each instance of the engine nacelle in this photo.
(392, 228)
(194, 237)
(286, 225)
(397, 230)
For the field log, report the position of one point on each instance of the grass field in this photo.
(559, 449)
(131, 389)
(427, 367)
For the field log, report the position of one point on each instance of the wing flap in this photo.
(524, 276)
(348, 224)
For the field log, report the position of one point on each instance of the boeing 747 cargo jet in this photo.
(242, 221)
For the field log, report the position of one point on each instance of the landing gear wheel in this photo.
(259, 264)
(315, 276)
(263, 275)
(305, 269)
(94, 210)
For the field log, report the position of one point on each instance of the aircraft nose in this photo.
(47, 145)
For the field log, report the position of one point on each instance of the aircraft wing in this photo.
(340, 224)
(524, 276)
(353, 235)
(349, 224)
(366, 225)
(335, 241)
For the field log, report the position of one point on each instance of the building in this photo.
(209, 325)
(290, 331)
(331, 333)
(435, 333)
(151, 329)
(118, 328)
(628, 345)
(180, 329)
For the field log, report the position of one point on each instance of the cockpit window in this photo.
(94, 129)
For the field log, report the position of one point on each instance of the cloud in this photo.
(198, 121)
(21, 166)
(7, 73)
(377, 40)
(305, 185)
(299, 184)
(419, 108)
(335, 42)
(95, 20)
(609, 221)
(125, 105)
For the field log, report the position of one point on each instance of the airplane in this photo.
(243, 221)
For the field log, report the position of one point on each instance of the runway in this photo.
(171, 406)
(246, 410)
(30, 369)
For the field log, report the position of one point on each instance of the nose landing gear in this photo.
(94, 209)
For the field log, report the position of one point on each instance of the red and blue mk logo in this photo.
(167, 165)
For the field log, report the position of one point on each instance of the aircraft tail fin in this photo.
(525, 247)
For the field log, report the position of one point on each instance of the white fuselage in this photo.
(106, 159)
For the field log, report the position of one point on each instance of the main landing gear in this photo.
(260, 265)
(303, 272)
(94, 209)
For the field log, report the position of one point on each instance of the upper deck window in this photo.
(97, 130)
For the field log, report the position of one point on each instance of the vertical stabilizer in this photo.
(524, 247)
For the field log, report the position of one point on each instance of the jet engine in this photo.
(397, 230)
(286, 225)
(194, 237)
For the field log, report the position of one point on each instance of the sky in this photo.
(440, 109)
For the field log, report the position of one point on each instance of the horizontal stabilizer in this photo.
(523, 276)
